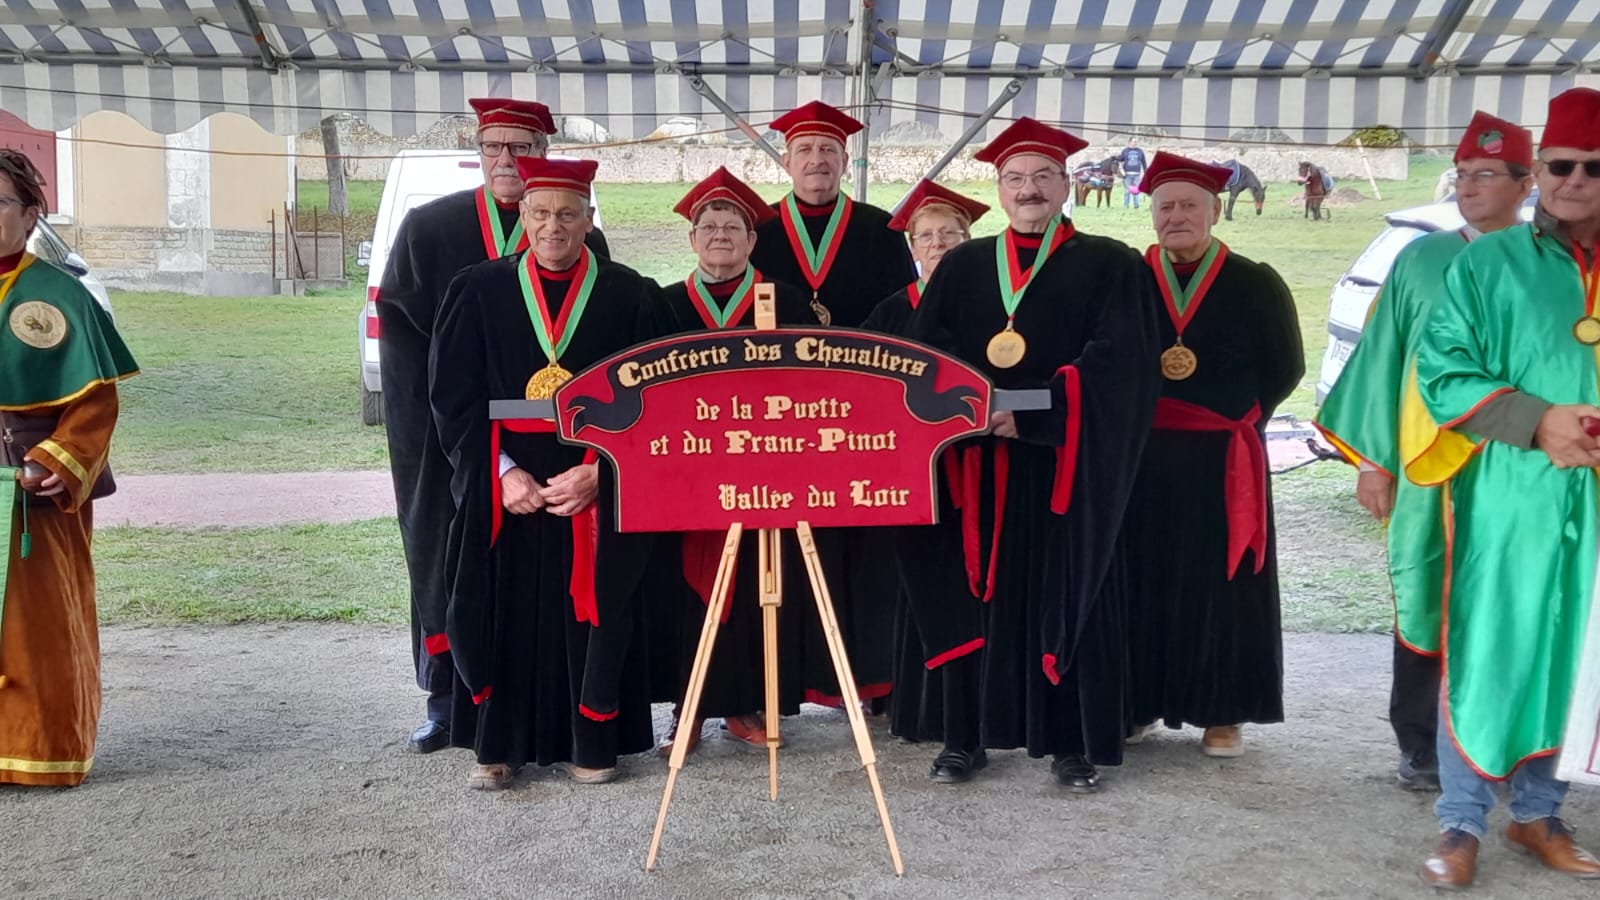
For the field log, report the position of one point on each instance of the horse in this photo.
(1315, 180)
(1098, 177)
(1243, 180)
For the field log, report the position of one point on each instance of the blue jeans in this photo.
(1465, 797)
(1130, 192)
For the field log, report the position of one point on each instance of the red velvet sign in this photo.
(769, 428)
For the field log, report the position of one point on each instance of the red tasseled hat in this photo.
(1030, 136)
(816, 117)
(541, 174)
(1172, 167)
(504, 111)
(1489, 137)
(927, 193)
(725, 186)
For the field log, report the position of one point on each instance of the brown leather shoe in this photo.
(1550, 841)
(1454, 862)
(1222, 741)
(748, 730)
(664, 749)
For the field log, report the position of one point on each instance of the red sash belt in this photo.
(585, 525)
(1244, 479)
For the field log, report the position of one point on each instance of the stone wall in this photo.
(210, 261)
(673, 163)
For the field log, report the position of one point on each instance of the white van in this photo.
(415, 177)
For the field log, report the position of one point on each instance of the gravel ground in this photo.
(268, 761)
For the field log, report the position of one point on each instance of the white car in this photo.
(1356, 289)
(47, 244)
(415, 177)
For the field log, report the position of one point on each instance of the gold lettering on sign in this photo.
(744, 441)
(816, 497)
(634, 373)
(829, 440)
(823, 408)
(754, 352)
(660, 447)
(705, 412)
(818, 350)
(759, 496)
(694, 445)
(862, 493)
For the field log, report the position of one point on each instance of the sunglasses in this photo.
(1561, 168)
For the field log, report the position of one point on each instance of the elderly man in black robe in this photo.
(1205, 642)
(436, 241)
(1037, 629)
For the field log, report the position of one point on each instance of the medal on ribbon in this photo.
(1007, 347)
(1179, 362)
(816, 259)
(554, 336)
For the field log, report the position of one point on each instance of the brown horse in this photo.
(1315, 181)
(1095, 177)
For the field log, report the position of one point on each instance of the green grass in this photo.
(1331, 568)
(338, 573)
(243, 384)
(363, 195)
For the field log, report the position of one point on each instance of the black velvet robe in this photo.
(1204, 649)
(735, 683)
(434, 242)
(1052, 661)
(893, 313)
(873, 261)
(518, 644)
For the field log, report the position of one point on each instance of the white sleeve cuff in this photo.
(506, 464)
(1363, 466)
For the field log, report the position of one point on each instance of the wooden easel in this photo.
(770, 582)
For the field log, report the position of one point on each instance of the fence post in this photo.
(1367, 164)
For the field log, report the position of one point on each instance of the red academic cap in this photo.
(504, 111)
(1030, 136)
(725, 186)
(1489, 137)
(816, 117)
(926, 193)
(1574, 120)
(1168, 167)
(541, 174)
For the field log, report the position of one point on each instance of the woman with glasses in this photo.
(935, 220)
(723, 214)
(60, 361)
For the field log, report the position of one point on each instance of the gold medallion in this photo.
(1587, 330)
(42, 326)
(545, 382)
(1178, 362)
(1006, 349)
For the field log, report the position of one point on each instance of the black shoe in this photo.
(428, 737)
(1075, 773)
(957, 766)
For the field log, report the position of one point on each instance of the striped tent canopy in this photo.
(1202, 69)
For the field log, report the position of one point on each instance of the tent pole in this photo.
(704, 90)
(866, 24)
(1007, 94)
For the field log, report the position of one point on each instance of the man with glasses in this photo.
(1364, 417)
(1206, 643)
(435, 242)
(1038, 633)
(543, 591)
(1507, 367)
(847, 258)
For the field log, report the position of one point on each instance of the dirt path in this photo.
(266, 761)
(253, 500)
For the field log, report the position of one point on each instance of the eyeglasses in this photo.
(1563, 168)
(938, 238)
(565, 216)
(493, 149)
(732, 230)
(1481, 178)
(1015, 180)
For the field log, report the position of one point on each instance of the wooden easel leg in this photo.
(847, 684)
(771, 598)
(688, 713)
